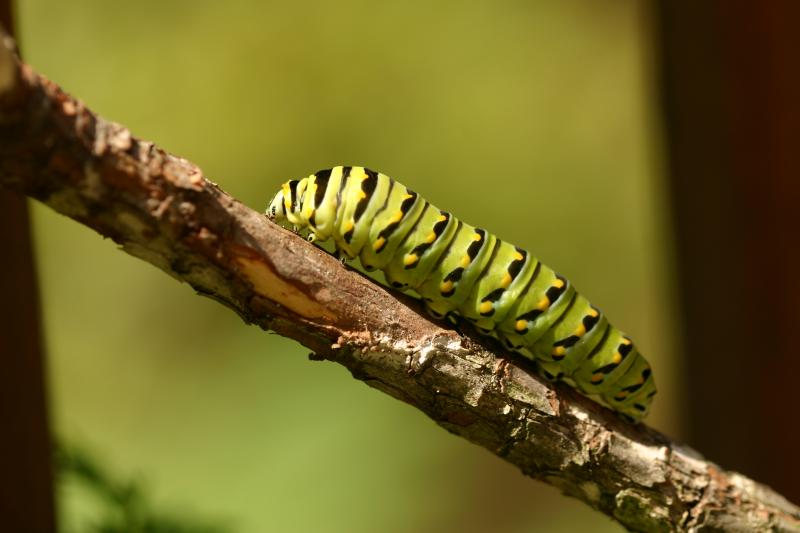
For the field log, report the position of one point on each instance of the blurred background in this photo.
(537, 120)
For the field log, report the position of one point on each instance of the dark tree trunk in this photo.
(26, 486)
(731, 80)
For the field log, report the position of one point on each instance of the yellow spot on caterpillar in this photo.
(465, 261)
(431, 237)
(559, 350)
(580, 330)
(506, 281)
(626, 341)
(521, 325)
(396, 217)
(476, 237)
(361, 195)
(441, 218)
(597, 378)
(518, 256)
(485, 307)
(544, 303)
(348, 226)
(410, 259)
(407, 196)
(558, 283)
(617, 359)
(593, 313)
(446, 286)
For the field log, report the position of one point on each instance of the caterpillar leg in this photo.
(340, 255)
(443, 312)
(454, 319)
(550, 371)
(434, 313)
(437, 309)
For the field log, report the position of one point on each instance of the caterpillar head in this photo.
(276, 210)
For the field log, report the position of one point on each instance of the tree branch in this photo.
(162, 209)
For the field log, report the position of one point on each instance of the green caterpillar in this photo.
(460, 270)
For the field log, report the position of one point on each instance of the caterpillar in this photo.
(463, 271)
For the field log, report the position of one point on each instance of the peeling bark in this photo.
(162, 209)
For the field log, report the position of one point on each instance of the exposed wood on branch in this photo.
(162, 209)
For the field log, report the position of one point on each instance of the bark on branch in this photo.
(162, 209)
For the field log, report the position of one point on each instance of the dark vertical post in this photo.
(26, 477)
(731, 95)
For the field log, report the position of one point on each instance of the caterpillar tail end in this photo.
(635, 411)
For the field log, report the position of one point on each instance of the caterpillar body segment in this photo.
(462, 270)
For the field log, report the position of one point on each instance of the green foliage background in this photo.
(533, 119)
